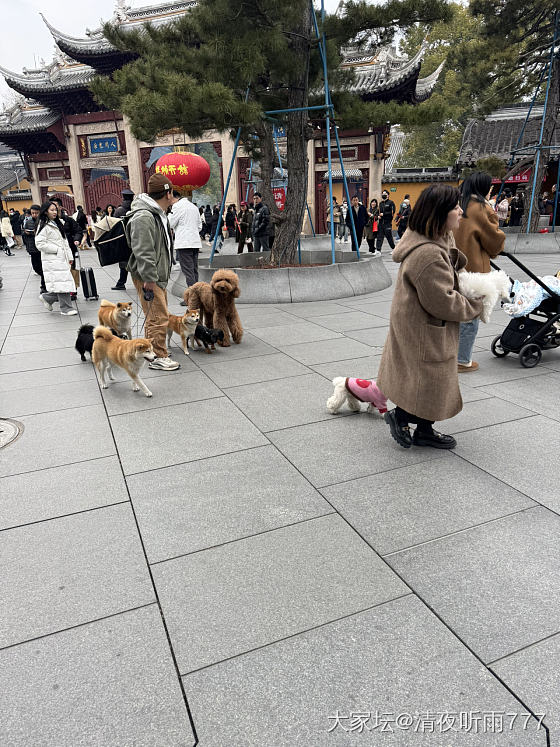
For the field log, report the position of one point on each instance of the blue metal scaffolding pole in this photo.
(323, 52)
(539, 146)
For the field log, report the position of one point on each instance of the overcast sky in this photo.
(26, 39)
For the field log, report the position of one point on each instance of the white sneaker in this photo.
(70, 312)
(377, 253)
(166, 364)
(45, 303)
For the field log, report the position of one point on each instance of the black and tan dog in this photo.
(208, 337)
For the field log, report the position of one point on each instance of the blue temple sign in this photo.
(108, 144)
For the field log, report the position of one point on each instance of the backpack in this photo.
(112, 246)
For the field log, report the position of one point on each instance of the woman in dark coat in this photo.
(371, 225)
(418, 370)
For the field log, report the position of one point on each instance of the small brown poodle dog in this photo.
(216, 301)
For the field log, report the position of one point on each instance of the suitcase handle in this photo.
(77, 261)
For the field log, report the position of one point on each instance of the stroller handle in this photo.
(526, 270)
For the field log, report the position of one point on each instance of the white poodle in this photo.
(354, 391)
(490, 286)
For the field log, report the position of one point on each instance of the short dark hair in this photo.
(429, 215)
(35, 207)
(57, 200)
(407, 197)
(257, 194)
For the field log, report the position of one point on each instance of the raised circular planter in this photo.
(348, 277)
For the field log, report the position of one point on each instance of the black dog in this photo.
(84, 343)
(208, 337)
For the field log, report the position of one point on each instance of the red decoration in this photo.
(279, 197)
(186, 171)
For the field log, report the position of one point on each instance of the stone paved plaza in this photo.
(229, 561)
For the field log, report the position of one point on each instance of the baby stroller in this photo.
(526, 336)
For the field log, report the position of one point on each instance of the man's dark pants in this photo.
(359, 236)
(188, 260)
(37, 266)
(261, 243)
(385, 232)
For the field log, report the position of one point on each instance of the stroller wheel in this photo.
(497, 348)
(530, 355)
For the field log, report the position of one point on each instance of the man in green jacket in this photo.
(151, 244)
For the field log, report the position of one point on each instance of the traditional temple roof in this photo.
(96, 51)
(29, 128)
(50, 85)
(386, 75)
(497, 134)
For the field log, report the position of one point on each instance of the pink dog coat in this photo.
(367, 391)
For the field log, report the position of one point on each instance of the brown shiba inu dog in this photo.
(184, 326)
(109, 350)
(116, 316)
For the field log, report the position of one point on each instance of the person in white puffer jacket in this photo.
(56, 257)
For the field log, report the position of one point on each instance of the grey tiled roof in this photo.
(55, 77)
(443, 174)
(95, 43)
(497, 135)
(21, 119)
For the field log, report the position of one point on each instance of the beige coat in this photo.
(418, 369)
(479, 237)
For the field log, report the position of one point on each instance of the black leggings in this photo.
(371, 242)
(404, 418)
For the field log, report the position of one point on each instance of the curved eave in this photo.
(425, 86)
(98, 45)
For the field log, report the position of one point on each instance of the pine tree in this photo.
(524, 29)
(227, 62)
(477, 78)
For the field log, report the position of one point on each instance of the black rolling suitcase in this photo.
(87, 280)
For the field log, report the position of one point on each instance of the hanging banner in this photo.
(279, 197)
(522, 178)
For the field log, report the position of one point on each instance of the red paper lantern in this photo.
(186, 171)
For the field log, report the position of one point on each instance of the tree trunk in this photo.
(289, 222)
(549, 125)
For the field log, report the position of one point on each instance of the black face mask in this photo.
(384, 196)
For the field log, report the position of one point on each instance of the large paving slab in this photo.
(345, 448)
(38, 360)
(534, 674)
(48, 493)
(394, 659)
(224, 601)
(506, 571)
(111, 682)
(349, 320)
(324, 351)
(481, 413)
(519, 454)
(284, 403)
(184, 387)
(220, 500)
(192, 431)
(43, 341)
(68, 396)
(359, 368)
(46, 377)
(297, 333)
(254, 370)
(407, 506)
(539, 393)
(69, 571)
(56, 438)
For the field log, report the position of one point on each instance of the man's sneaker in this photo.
(434, 439)
(70, 312)
(118, 287)
(45, 303)
(165, 364)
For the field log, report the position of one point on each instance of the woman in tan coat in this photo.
(480, 240)
(418, 369)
